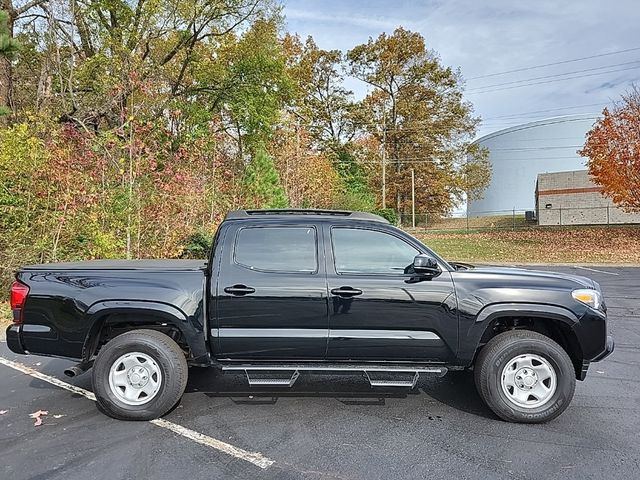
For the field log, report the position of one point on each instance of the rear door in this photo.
(376, 310)
(271, 293)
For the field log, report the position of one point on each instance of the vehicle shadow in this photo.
(456, 390)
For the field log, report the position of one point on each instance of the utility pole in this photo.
(384, 158)
(297, 201)
(413, 198)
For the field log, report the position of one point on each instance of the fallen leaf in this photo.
(38, 416)
(59, 416)
(2, 412)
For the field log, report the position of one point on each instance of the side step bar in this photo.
(393, 383)
(257, 375)
(272, 382)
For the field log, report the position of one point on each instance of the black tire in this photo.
(169, 358)
(499, 352)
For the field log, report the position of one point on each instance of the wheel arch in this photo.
(551, 321)
(111, 318)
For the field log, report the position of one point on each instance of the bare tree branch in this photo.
(26, 7)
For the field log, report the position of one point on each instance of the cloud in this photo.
(354, 20)
(495, 36)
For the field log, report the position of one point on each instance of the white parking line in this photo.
(252, 457)
(599, 271)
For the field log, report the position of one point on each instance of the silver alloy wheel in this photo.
(529, 380)
(135, 378)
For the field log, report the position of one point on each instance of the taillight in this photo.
(19, 292)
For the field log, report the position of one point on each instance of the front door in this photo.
(271, 294)
(376, 310)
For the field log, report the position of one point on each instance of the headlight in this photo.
(588, 297)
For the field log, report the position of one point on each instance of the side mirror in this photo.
(426, 265)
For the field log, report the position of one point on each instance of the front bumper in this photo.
(607, 351)
(13, 339)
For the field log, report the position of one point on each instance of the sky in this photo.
(488, 37)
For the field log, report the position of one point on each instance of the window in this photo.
(369, 251)
(279, 249)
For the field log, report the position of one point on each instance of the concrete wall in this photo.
(571, 198)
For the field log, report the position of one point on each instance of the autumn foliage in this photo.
(613, 149)
(131, 128)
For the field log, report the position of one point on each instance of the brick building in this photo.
(571, 198)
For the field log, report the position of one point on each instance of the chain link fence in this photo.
(515, 219)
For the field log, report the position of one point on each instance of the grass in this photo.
(584, 245)
(5, 317)
(493, 222)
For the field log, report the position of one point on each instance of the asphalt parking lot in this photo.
(335, 426)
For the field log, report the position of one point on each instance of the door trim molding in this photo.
(322, 333)
(269, 332)
(384, 334)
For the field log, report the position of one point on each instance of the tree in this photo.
(97, 46)
(419, 117)
(331, 116)
(261, 184)
(247, 83)
(10, 15)
(136, 125)
(308, 176)
(8, 47)
(613, 149)
(322, 101)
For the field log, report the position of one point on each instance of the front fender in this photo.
(497, 310)
(485, 319)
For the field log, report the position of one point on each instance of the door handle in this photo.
(239, 290)
(346, 292)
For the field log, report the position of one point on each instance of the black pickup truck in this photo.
(290, 291)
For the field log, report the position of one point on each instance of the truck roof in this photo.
(292, 212)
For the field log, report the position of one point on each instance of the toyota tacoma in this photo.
(285, 292)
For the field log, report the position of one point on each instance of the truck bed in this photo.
(68, 301)
(150, 264)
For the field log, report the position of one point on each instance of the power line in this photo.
(525, 149)
(550, 121)
(551, 81)
(546, 111)
(430, 160)
(514, 123)
(525, 122)
(555, 63)
(553, 76)
(393, 161)
(578, 138)
(407, 125)
(404, 127)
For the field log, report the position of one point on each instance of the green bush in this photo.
(197, 245)
(388, 213)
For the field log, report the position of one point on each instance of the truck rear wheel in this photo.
(524, 376)
(139, 375)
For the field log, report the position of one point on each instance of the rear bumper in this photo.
(607, 351)
(13, 339)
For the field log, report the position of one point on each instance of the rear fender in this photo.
(164, 313)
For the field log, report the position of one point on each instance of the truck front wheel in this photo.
(524, 376)
(139, 375)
